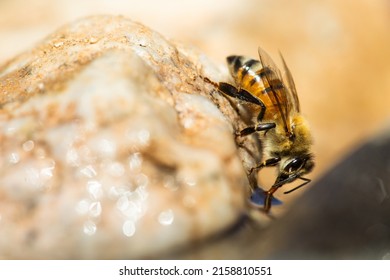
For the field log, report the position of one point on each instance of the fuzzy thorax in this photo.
(278, 144)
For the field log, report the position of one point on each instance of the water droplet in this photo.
(133, 211)
(41, 86)
(38, 178)
(72, 157)
(46, 173)
(142, 193)
(116, 192)
(116, 169)
(141, 180)
(188, 122)
(88, 171)
(95, 209)
(41, 153)
(94, 188)
(135, 162)
(32, 177)
(166, 217)
(107, 148)
(190, 181)
(13, 158)
(58, 44)
(144, 137)
(122, 203)
(113, 192)
(187, 177)
(28, 146)
(93, 40)
(89, 228)
(128, 228)
(138, 138)
(258, 198)
(83, 206)
(170, 183)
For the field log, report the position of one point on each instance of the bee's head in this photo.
(293, 168)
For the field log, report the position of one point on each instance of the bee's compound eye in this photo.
(294, 165)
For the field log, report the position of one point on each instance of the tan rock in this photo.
(113, 146)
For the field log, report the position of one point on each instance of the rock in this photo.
(113, 146)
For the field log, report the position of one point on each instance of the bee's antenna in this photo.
(307, 181)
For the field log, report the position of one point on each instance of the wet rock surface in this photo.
(113, 146)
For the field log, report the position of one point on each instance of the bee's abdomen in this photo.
(249, 74)
(242, 65)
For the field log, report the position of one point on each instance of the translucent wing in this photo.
(278, 93)
(293, 96)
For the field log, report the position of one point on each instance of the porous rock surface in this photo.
(113, 146)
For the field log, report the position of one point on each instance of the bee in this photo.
(272, 102)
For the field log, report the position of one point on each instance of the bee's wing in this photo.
(279, 94)
(291, 86)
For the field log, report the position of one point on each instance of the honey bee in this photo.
(273, 103)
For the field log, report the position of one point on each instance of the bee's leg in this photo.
(243, 95)
(268, 162)
(257, 127)
(268, 194)
(267, 126)
(268, 198)
(207, 80)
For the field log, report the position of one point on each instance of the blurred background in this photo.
(338, 51)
